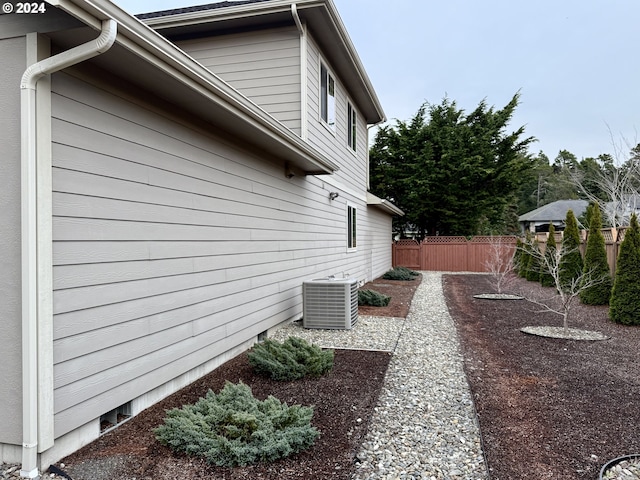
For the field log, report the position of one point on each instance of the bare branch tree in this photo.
(618, 184)
(565, 292)
(500, 263)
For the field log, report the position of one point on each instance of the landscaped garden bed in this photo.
(548, 408)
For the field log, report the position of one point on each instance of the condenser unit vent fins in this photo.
(330, 303)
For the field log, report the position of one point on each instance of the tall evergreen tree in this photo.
(595, 264)
(625, 296)
(546, 277)
(452, 173)
(571, 264)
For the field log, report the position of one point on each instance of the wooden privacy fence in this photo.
(451, 254)
(459, 254)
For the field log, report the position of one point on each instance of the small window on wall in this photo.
(351, 227)
(327, 97)
(352, 123)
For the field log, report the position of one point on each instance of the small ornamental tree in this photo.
(595, 261)
(571, 264)
(560, 301)
(625, 296)
(500, 263)
(546, 278)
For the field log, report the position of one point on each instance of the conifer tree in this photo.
(533, 263)
(571, 263)
(546, 277)
(625, 296)
(524, 257)
(595, 264)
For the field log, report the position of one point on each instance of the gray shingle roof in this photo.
(555, 211)
(197, 8)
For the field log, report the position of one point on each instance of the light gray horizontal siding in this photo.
(353, 168)
(13, 54)
(171, 246)
(263, 65)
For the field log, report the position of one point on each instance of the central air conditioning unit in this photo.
(330, 303)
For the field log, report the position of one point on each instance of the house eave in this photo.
(320, 15)
(218, 101)
(383, 204)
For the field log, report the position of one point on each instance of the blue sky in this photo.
(573, 61)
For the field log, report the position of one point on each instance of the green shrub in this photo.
(571, 264)
(522, 256)
(290, 360)
(625, 296)
(373, 298)
(532, 270)
(400, 273)
(595, 264)
(234, 428)
(546, 276)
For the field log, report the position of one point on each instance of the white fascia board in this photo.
(156, 50)
(383, 204)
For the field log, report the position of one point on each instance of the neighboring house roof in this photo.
(555, 211)
(169, 76)
(321, 17)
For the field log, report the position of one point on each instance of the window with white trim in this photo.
(352, 127)
(327, 97)
(351, 227)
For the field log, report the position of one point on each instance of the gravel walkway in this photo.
(425, 425)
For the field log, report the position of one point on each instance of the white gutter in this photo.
(30, 235)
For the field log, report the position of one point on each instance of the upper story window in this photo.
(352, 127)
(327, 97)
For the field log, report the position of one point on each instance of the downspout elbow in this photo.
(72, 56)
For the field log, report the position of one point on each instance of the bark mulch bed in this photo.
(400, 291)
(548, 408)
(344, 401)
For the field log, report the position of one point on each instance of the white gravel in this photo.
(424, 426)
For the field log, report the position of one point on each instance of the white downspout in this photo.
(29, 231)
(303, 71)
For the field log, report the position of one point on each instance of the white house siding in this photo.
(353, 168)
(171, 246)
(13, 54)
(263, 65)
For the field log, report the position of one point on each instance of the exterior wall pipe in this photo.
(30, 235)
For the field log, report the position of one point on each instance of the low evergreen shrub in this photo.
(373, 298)
(400, 273)
(293, 359)
(234, 428)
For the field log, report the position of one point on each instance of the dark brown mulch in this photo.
(548, 408)
(401, 293)
(344, 400)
